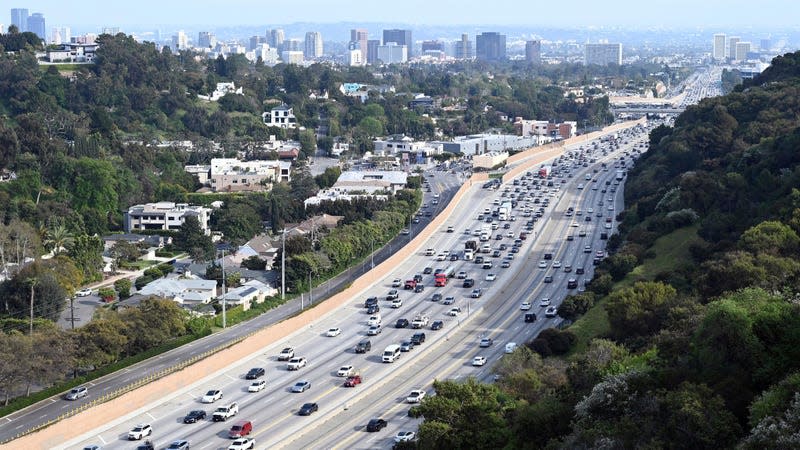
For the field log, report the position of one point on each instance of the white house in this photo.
(253, 291)
(281, 116)
(184, 291)
(165, 216)
(221, 90)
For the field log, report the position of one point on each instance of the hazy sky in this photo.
(674, 13)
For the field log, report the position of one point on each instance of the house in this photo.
(72, 53)
(233, 175)
(165, 216)
(187, 292)
(399, 144)
(221, 90)
(423, 102)
(372, 181)
(289, 154)
(250, 292)
(564, 130)
(136, 239)
(280, 116)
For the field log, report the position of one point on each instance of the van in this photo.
(468, 255)
(391, 353)
(510, 347)
(239, 429)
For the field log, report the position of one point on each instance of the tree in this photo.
(154, 322)
(575, 306)
(778, 431)
(191, 238)
(87, 253)
(125, 252)
(123, 287)
(771, 237)
(100, 342)
(640, 310)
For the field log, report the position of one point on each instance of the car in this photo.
(307, 409)
(567, 268)
(587, 249)
(76, 393)
(455, 311)
(374, 330)
(140, 432)
(404, 436)
(243, 444)
(418, 288)
(97, 447)
(397, 282)
(479, 361)
(375, 425)
(580, 271)
(286, 354)
(257, 386)
(505, 264)
(436, 297)
(486, 342)
(179, 445)
(543, 264)
(525, 306)
(345, 371)
(406, 346)
(450, 229)
(301, 386)
(491, 277)
(556, 264)
(352, 381)
(416, 396)
(254, 373)
(401, 323)
(194, 416)
(427, 270)
(332, 332)
(146, 445)
(393, 294)
(476, 293)
(374, 320)
(437, 325)
(551, 311)
(396, 303)
(405, 232)
(296, 363)
(468, 283)
(548, 279)
(212, 396)
(85, 292)
(449, 300)
(363, 346)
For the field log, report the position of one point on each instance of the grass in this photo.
(138, 265)
(671, 251)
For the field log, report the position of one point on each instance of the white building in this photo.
(186, 292)
(335, 194)
(292, 57)
(719, 47)
(165, 216)
(391, 53)
(280, 116)
(372, 181)
(489, 160)
(267, 54)
(221, 90)
(230, 174)
(313, 45)
(355, 58)
(251, 292)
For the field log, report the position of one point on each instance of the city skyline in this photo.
(582, 13)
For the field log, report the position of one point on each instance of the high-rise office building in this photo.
(436, 46)
(603, 54)
(732, 41)
(490, 47)
(180, 41)
(400, 37)
(275, 38)
(19, 18)
(742, 49)
(533, 52)
(36, 25)
(463, 49)
(372, 51)
(293, 45)
(255, 42)
(392, 53)
(360, 36)
(765, 45)
(313, 47)
(719, 47)
(207, 39)
(113, 31)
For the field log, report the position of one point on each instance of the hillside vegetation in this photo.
(704, 351)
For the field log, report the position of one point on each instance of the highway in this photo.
(447, 353)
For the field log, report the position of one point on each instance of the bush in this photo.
(554, 341)
(254, 263)
(107, 294)
(123, 287)
(575, 306)
(142, 281)
(153, 273)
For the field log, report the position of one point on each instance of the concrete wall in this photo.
(158, 389)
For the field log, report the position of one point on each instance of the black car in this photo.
(194, 416)
(401, 323)
(376, 425)
(372, 309)
(254, 373)
(418, 278)
(363, 346)
(427, 270)
(436, 297)
(418, 338)
(370, 302)
(307, 409)
(437, 325)
(468, 283)
(146, 445)
(419, 287)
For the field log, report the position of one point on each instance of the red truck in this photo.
(440, 280)
(411, 284)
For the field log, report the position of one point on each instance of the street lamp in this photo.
(283, 265)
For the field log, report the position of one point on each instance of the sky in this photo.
(574, 13)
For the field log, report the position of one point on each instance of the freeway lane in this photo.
(443, 183)
(273, 410)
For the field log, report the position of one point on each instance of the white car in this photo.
(140, 431)
(212, 396)
(556, 264)
(396, 303)
(544, 302)
(296, 363)
(478, 361)
(85, 292)
(551, 311)
(525, 306)
(543, 264)
(345, 371)
(491, 277)
(374, 320)
(397, 282)
(454, 312)
(242, 444)
(257, 386)
(404, 436)
(416, 396)
(332, 332)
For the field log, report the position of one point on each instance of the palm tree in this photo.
(58, 238)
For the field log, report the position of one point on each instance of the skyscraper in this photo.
(490, 47)
(372, 50)
(275, 38)
(742, 49)
(603, 54)
(400, 37)
(463, 49)
(36, 25)
(207, 39)
(313, 47)
(719, 47)
(19, 17)
(765, 45)
(360, 36)
(732, 41)
(180, 41)
(533, 52)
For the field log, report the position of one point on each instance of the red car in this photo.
(352, 381)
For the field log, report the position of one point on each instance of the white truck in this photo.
(505, 211)
(224, 413)
(419, 322)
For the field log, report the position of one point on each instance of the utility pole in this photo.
(72, 311)
(224, 312)
(33, 284)
(310, 290)
(372, 253)
(283, 265)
